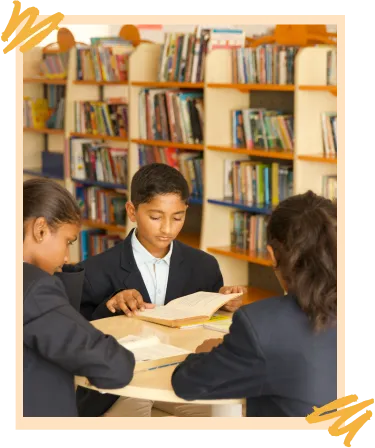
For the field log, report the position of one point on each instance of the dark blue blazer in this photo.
(59, 343)
(272, 357)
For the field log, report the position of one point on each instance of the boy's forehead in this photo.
(165, 202)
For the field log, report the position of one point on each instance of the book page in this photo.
(168, 313)
(203, 303)
(198, 304)
(158, 351)
(150, 348)
(131, 342)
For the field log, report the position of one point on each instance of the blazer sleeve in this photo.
(235, 369)
(217, 277)
(56, 331)
(95, 287)
(72, 277)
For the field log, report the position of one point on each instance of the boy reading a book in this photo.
(150, 268)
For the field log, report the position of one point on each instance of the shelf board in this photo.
(273, 153)
(100, 83)
(95, 183)
(99, 137)
(38, 173)
(104, 226)
(248, 208)
(254, 258)
(320, 158)
(168, 84)
(44, 131)
(330, 89)
(189, 146)
(44, 80)
(255, 294)
(249, 87)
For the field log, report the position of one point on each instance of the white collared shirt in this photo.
(154, 271)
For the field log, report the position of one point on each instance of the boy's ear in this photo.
(130, 211)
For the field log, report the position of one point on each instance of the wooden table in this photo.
(156, 384)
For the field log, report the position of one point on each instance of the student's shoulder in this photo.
(34, 277)
(199, 257)
(42, 289)
(273, 312)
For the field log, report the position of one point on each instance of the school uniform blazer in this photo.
(272, 357)
(114, 270)
(191, 270)
(58, 343)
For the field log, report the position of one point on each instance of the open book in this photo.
(150, 353)
(190, 309)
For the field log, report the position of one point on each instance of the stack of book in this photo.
(56, 104)
(249, 232)
(329, 128)
(55, 66)
(93, 242)
(35, 112)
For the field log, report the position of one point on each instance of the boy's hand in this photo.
(208, 345)
(129, 301)
(234, 304)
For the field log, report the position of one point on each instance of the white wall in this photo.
(82, 33)
(157, 36)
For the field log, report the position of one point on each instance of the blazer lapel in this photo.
(132, 277)
(179, 273)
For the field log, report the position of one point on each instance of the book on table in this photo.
(188, 310)
(150, 353)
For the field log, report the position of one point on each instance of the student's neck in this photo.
(154, 251)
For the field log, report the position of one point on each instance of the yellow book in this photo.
(221, 326)
(214, 318)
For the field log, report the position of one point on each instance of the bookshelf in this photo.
(211, 214)
(37, 141)
(91, 90)
(312, 97)
(143, 74)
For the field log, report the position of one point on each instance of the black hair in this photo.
(46, 198)
(157, 179)
(302, 232)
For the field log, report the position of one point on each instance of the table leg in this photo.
(226, 410)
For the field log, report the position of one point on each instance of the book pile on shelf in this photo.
(55, 66)
(257, 184)
(171, 115)
(104, 206)
(108, 117)
(262, 129)
(332, 67)
(183, 55)
(329, 128)
(35, 112)
(93, 242)
(265, 64)
(106, 60)
(330, 187)
(56, 104)
(98, 162)
(249, 232)
(190, 164)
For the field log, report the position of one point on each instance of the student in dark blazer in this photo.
(149, 268)
(281, 352)
(58, 342)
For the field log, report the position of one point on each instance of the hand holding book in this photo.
(234, 304)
